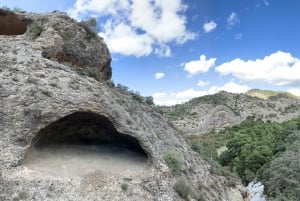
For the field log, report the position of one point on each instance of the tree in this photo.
(92, 22)
(149, 100)
(281, 178)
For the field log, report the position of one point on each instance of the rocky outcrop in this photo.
(57, 37)
(43, 95)
(215, 112)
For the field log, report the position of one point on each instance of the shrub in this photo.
(174, 160)
(46, 92)
(149, 100)
(90, 33)
(183, 188)
(124, 186)
(35, 31)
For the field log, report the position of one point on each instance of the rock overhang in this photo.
(59, 38)
(86, 140)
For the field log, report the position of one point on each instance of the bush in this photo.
(35, 31)
(124, 186)
(174, 160)
(90, 33)
(183, 188)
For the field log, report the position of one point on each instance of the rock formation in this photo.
(57, 37)
(224, 109)
(53, 91)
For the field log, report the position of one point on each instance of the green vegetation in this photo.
(215, 99)
(174, 160)
(207, 144)
(88, 26)
(46, 92)
(35, 30)
(183, 188)
(92, 22)
(265, 94)
(135, 94)
(180, 111)
(124, 186)
(268, 151)
(281, 177)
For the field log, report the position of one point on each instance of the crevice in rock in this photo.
(10, 24)
(83, 142)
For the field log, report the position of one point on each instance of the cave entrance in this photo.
(81, 143)
(10, 24)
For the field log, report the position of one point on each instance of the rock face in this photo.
(227, 109)
(57, 37)
(45, 99)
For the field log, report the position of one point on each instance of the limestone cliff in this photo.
(47, 95)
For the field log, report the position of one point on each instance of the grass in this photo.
(124, 186)
(174, 160)
(183, 188)
(207, 144)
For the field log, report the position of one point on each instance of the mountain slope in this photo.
(223, 109)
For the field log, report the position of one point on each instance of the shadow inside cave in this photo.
(10, 24)
(81, 143)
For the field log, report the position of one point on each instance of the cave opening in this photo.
(81, 143)
(10, 24)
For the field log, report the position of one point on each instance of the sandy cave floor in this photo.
(67, 160)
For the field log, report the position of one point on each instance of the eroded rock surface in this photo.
(57, 37)
(36, 92)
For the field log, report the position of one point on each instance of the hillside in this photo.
(67, 133)
(263, 144)
(223, 109)
(265, 94)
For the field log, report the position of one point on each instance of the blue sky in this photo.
(175, 50)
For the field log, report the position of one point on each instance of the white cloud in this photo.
(202, 83)
(158, 76)
(279, 68)
(199, 66)
(230, 87)
(232, 20)
(295, 91)
(209, 26)
(152, 24)
(159, 95)
(176, 98)
(189, 93)
(186, 95)
(122, 39)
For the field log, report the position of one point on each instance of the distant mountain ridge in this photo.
(265, 94)
(217, 111)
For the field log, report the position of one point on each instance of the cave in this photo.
(10, 24)
(83, 142)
